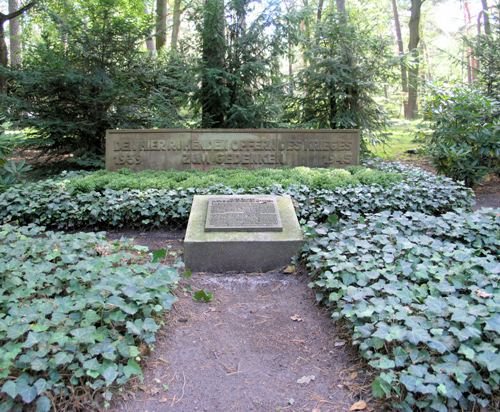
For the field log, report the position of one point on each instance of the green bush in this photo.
(73, 310)
(11, 172)
(464, 144)
(235, 178)
(98, 78)
(421, 297)
(53, 203)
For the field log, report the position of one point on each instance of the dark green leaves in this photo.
(426, 313)
(155, 199)
(159, 254)
(203, 296)
(78, 320)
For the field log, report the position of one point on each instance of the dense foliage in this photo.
(74, 312)
(98, 78)
(486, 49)
(85, 69)
(53, 203)
(236, 178)
(240, 51)
(11, 172)
(421, 296)
(350, 62)
(464, 143)
(420, 292)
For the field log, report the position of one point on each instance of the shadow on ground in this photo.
(246, 350)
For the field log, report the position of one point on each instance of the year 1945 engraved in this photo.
(128, 159)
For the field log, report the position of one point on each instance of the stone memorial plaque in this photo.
(204, 149)
(246, 237)
(243, 214)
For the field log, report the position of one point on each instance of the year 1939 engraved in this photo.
(128, 159)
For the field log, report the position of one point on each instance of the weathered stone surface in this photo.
(243, 214)
(161, 149)
(222, 251)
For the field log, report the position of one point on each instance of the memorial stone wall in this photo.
(182, 149)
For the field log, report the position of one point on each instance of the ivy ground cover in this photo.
(74, 313)
(418, 289)
(421, 297)
(72, 202)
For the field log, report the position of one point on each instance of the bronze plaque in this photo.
(243, 214)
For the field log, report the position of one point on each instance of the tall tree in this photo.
(346, 69)
(100, 79)
(4, 54)
(319, 12)
(150, 43)
(176, 24)
(486, 20)
(307, 30)
(14, 31)
(161, 24)
(213, 93)
(414, 26)
(341, 8)
(399, 39)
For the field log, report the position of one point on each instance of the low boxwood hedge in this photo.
(74, 310)
(422, 299)
(316, 178)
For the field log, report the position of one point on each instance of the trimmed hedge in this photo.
(54, 204)
(236, 178)
(422, 298)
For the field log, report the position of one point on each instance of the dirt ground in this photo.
(246, 350)
(488, 193)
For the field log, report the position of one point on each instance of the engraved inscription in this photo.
(246, 214)
(201, 149)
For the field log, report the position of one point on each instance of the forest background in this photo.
(69, 70)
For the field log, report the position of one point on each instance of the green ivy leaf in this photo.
(26, 391)
(159, 255)
(39, 364)
(203, 296)
(110, 374)
(381, 388)
(132, 368)
(9, 387)
(62, 358)
(43, 404)
(383, 363)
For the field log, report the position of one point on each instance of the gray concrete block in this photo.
(240, 251)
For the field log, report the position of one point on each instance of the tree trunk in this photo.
(414, 26)
(213, 54)
(306, 25)
(319, 13)
(399, 39)
(341, 8)
(4, 54)
(150, 44)
(14, 29)
(161, 24)
(486, 20)
(176, 24)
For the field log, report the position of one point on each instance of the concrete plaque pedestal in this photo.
(249, 242)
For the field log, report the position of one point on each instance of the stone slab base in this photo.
(240, 251)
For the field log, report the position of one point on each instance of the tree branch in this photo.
(13, 15)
